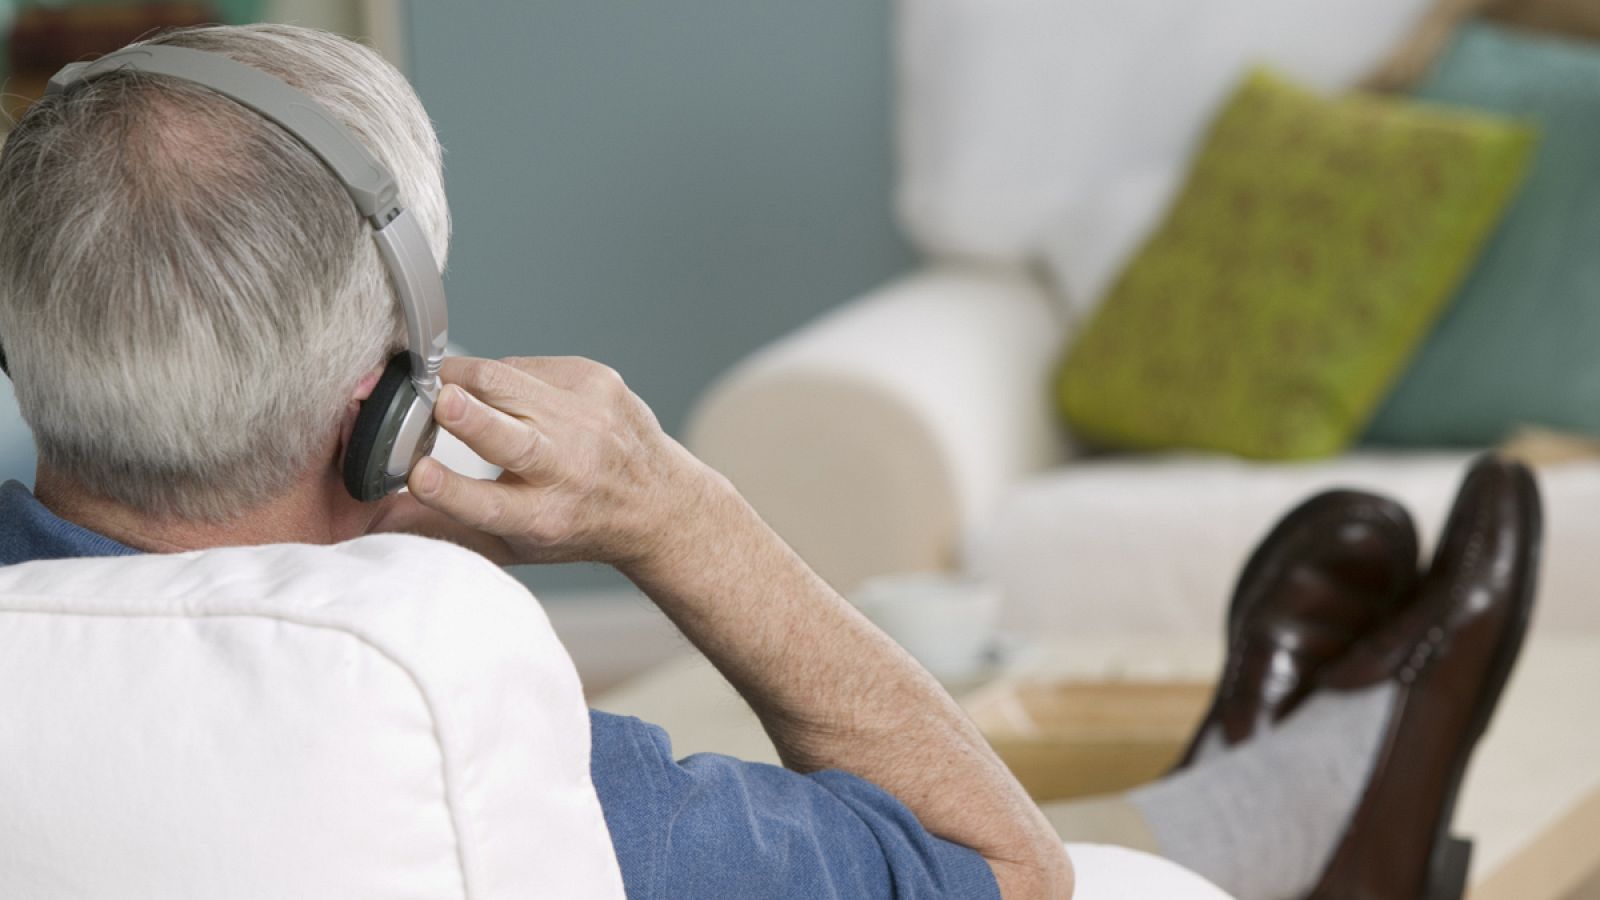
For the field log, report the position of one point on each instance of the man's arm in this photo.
(590, 475)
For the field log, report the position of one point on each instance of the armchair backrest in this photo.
(1021, 118)
(391, 717)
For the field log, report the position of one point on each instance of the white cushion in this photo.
(1022, 120)
(387, 718)
(1117, 873)
(1152, 545)
(1090, 243)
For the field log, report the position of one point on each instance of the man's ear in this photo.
(368, 383)
(352, 409)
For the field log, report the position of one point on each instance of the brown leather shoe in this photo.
(1325, 575)
(1450, 654)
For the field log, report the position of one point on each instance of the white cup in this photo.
(946, 621)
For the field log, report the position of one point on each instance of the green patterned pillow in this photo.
(1314, 245)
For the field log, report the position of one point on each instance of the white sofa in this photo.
(912, 429)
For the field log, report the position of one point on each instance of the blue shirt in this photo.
(705, 828)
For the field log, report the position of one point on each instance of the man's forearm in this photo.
(834, 692)
(589, 474)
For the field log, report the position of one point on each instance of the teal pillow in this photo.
(1520, 344)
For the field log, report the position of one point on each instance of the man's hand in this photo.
(589, 474)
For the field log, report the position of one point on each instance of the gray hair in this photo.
(188, 297)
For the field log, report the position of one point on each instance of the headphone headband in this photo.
(370, 185)
(401, 242)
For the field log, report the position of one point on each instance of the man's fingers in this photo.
(572, 373)
(499, 385)
(485, 505)
(508, 442)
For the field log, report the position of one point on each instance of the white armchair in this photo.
(388, 718)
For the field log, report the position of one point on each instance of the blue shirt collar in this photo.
(29, 531)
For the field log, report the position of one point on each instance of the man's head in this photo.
(188, 298)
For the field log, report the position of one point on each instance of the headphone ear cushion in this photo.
(380, 417)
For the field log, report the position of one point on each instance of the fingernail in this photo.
(452, 403)
(429, 478)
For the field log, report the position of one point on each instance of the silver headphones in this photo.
(395, 427)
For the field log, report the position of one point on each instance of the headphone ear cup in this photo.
(377, 425)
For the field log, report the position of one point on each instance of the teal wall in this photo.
(663, 185)
(16, 445)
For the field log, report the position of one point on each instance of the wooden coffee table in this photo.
(1532, 800)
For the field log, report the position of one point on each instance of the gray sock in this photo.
(1261, 820)
(1212, 745)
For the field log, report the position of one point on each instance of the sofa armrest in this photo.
(874, 437)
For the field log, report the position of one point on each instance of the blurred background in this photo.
(1006, 289)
